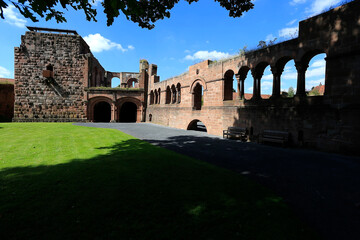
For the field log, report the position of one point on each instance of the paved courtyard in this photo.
(322, 188)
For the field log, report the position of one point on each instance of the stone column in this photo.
(242, 87)
(113, 110)
(239, 89)
(301, 69)
(256, 89)
(276, 80)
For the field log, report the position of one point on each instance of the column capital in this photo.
(276, 71)
(256, 75)
(301, 66)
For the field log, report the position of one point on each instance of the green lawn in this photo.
(59, 181)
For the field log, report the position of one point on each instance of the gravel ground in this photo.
(322, 188)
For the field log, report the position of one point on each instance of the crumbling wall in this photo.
(329, 122)
(59, 97)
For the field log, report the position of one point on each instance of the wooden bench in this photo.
(275, 136)
(236, 132)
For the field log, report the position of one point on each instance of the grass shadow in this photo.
(138, 191)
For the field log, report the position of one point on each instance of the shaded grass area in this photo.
(62, 181)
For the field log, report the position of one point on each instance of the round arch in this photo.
(91, 105)
(102, 112)
(132, 83)
(308, 55)
(200, 81)
(129, 109)
(197, 125)
(228, 85)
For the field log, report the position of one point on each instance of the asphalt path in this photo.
(323, 189)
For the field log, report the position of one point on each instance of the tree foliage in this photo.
(143, 12)
(291, 92)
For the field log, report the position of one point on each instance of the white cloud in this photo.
(318, 63)
(269, 37)
(267, 77)
(291, 22)
(266, 84)
(320, 5)
(98, 43)
(4, 73)
(295, 2)
(204, 55)
(289, 75)
(316, 72)
(187, 51)
(13, 17)
(288, 32)
(250, 89)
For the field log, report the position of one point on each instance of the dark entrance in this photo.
(128, 112)
(102, 112)
(197, 125)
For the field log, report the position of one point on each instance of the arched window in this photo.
(315, 76)
(156, 97)
(132, 83)
(159, 93)
(173, 94)
(266, 85)
(228, 85)
(168, 95)
(288, 79)
(151, 97)
(197, 96)
(115, 82)
(178, 89)
(245, 83)
(311, 74)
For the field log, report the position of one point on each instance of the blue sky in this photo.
(193, 33)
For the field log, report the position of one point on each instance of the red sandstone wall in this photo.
(328, 122)
(6, 99)
(36, 97)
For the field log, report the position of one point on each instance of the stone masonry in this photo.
(58, 79)
(329, 122)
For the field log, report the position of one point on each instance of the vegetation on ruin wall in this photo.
(115, 89)
(60, 181)
(6, 83)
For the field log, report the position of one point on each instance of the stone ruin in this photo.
(57, 78)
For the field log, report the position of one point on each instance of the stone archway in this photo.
(197, 125)
(128, 112)
(102, 112)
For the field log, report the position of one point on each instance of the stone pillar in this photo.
(301, 69)
(113, 112)
(276, 80)
(256, 89)
(239, 96)
(242, 88)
